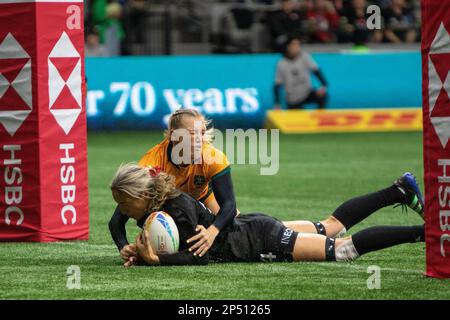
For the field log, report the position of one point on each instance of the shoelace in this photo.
(404, 207)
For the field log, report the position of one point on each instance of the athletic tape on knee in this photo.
(346, 252)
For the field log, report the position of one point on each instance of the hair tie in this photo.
(154, 171)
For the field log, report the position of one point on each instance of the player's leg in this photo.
(316, 247)
(295, 105)
(331, 226)
(405, 191)
(312, 97)
(319, 96)
(350, 213)
(309, 247)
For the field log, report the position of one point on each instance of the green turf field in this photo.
(317, 173)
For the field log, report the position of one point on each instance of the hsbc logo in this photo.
(64, 83)
(439, 84)
(15, 84)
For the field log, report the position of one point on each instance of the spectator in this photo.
(323, 20)
(293, 72)
(400, 22)
(238, 24)
(383, 4)
(354, 24)
(106, 17)
(268, 2)
(93, 48)
(339, 5)
(284, 23)
(134, 19)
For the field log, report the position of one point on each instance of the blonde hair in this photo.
(145, 183)
(176, 118)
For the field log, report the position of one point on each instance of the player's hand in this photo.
(128, 252)
(205, 239)
(322, 91)
(144, 249)
(132, 261)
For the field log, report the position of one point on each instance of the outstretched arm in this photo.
(223, 192)
(117, 228)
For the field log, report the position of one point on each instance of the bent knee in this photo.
(345, 250)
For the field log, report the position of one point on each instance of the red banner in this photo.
(436, 133)
(43, 151)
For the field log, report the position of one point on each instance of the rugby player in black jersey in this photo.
(257, 236)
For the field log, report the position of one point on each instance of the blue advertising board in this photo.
(236, 90)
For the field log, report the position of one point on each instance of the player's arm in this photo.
(187, 219)
(117, 229)
(316, 70)
(223, 192)
(319, 75)
(147, 254)
(277, 86)
(276, 94)
(222, 186)
(182, 258)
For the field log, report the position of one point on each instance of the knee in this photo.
(334, 227)
(345, 250)
(331, 221)
(341, 250)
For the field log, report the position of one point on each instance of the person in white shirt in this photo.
(293, 72)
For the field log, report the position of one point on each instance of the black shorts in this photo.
(312, 97)
(258, 237)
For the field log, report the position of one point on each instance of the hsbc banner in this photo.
(43, 152)
(436, 134)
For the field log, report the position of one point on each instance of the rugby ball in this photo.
(162, 233)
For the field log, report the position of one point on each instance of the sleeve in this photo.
(117, 228)
(182, 258)
(216, 161)
(279, 77)
(312, 65)
(151, 158)
(223, 192)
(321, 77)
(276, 93)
